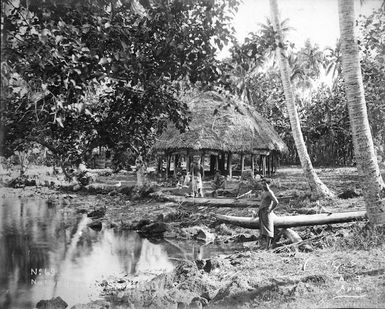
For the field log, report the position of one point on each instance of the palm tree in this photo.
(311, 59)
(333, 61)
(251, 57)
(318, 188)
(372, 183)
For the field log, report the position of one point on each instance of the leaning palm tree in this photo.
(318, 188)
(372, 182)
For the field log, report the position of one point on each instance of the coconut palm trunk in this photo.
(318, 188)
(371, 181)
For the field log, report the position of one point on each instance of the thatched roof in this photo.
(221, 123)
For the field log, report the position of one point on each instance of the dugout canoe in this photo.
(295, 221)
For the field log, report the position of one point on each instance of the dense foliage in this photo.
(81, 74)
(76, 75)
(252, 74)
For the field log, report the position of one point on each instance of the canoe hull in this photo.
(294, 221)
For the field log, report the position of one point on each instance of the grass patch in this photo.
(362, 236)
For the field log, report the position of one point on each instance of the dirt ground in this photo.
(342, 266)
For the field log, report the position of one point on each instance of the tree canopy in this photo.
(81, 74)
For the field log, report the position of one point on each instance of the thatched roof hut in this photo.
(224, 125)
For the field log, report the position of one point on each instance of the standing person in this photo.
(187, 179)
(265, 213)
(197, 171)
(179, 175)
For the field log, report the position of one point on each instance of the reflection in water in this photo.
(153, 258)
(47, 252)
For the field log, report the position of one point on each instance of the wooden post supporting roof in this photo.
(263, 165)
(230, 164)
(168, 159)
(252, 164)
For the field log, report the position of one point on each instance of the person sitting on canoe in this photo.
(265, 213)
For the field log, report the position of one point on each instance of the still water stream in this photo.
(49, 251)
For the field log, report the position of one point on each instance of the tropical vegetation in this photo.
(80, 75)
